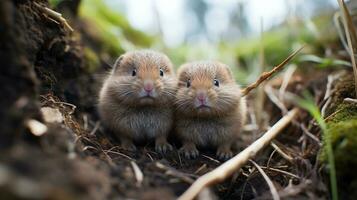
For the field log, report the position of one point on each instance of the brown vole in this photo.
(209, 109)
(136, 100)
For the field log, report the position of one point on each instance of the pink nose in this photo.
(201, 97)
(148, 87)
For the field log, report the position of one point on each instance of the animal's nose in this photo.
(148, 86)
(201, 96)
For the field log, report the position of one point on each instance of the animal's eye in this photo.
(188, 83)
(133, 73)
(161, 72)
(216, 82)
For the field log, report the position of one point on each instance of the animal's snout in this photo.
(148, 86)
(201, 96)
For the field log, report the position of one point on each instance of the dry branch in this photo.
(56, 16)
(235, 163)
(270, 183)
(266, 75)
(350, 35)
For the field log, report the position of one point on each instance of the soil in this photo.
(42, 65)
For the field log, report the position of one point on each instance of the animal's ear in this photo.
(229, 72)
(117, 63)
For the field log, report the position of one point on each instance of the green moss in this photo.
(344, 112)
(342, 128)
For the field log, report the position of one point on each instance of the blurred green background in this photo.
(245, 34)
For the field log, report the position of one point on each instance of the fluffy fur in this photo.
(218, 121)
(128, 111)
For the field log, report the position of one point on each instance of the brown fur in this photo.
(217, 125)
(131, 116)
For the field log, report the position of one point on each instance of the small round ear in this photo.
(117, 63)
(229, 72)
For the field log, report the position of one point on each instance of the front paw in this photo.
(189, 151)
(224, 154)
(163, 147)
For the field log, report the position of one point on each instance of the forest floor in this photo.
(48, 86)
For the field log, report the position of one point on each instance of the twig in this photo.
(204, 166)
(330, 82)
(175, 173)
(266, 75)
(97, 124)
(150, 157)
(350, 35)
(286, 79)
(281, 152)
(328, 118)
(274, 192)
(55, 16)
(270, 157)
(350, 100)
(212, 159)
(235, 163)
(281, 171)
(273, 98)
(139, 176)
(118, 153)
(309, 134)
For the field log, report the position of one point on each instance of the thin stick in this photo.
(350, 33)
(282, 153)
(350, 100)
(273, 191)
(281, 171)
(55, 16)
(286, 79)
(234, 164)
(177, 174)
(266, 75)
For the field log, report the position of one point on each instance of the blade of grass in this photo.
(309, 105)
(350, 35)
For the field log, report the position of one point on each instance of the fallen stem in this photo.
(234, 164)
(272, 188)
(266, 75)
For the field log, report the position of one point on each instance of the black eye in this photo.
(161, 72)
(216, 82)
(188, 83)
(134, 72)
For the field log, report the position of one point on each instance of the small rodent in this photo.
(136, 100)
(209, 109)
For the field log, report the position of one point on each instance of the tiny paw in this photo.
(189, 152)
(128, 146)
(224, 154)
(163, 147)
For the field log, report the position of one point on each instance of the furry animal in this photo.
(136, 99)
(209, 108)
